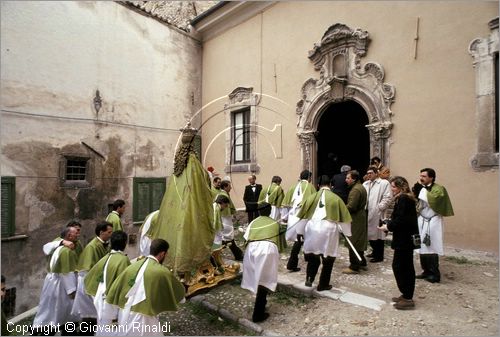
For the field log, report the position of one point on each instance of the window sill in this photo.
(15, 237)
(244, 167)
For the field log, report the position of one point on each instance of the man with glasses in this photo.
(379, 197)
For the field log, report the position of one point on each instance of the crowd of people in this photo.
(98, 287)
(363, 210)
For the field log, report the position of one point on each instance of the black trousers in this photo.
(237, 252)
(378, 249)
(260, 302)
(252, 215)
(293, 260)
(404, 272)
(313, 262)
(430, 267)
(354, 263)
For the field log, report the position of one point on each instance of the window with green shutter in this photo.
(148, 194)
(8, 206)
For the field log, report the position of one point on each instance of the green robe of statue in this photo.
(114, 219)
(117, 262)
(185, 220)
(163, 290)
(91, 254)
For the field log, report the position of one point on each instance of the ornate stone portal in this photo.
(342, 78)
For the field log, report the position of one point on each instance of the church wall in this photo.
(55, 55)
(435, 102)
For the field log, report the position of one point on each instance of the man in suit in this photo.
(251, 197)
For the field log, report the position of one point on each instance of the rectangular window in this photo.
(75, 171)
(148, 194)
(241, 136)
(8, 206)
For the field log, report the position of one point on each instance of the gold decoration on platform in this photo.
(208, 276)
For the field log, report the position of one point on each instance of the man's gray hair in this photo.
(345, 168)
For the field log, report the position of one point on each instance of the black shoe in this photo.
(321, 288)
(374, 260)
(293, 270)
(369, 255)
(260, 318)
(421, 276)
(432, 279)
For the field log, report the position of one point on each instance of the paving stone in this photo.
(224, 313)
(362, 300)
(333, 293)
(250, 325)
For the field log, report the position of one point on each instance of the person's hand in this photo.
(69, 244)
(383, 228)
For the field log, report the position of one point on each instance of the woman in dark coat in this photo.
(403, 224)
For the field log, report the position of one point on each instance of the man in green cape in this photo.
(114, 217)
(83, 307)
(356, 203)
(274, 196)
(433, 204)
(261, 261)
(143, 290)
(327, 216)
(59, 287)
(186, 213)
(216, 186)
(101, 276)
(49, 247)
(227, 222)
(295, 227)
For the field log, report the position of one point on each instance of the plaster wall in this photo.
(54, 57)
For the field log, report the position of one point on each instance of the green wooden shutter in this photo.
(8, 205)
(148, 194)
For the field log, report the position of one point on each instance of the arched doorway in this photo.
(342, 139)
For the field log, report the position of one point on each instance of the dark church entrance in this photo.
(343, 139)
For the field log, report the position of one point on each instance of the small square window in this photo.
(75, 172)
(76, 169)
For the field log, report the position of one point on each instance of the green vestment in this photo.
(335, 207)
(91, 254)
(66, 262)
(117, 263)
(439, 200)
(185, 219)
(114, 219)
(307, 189)
(163, 290)
(229, 210)
(275, 193)
(264, 228)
